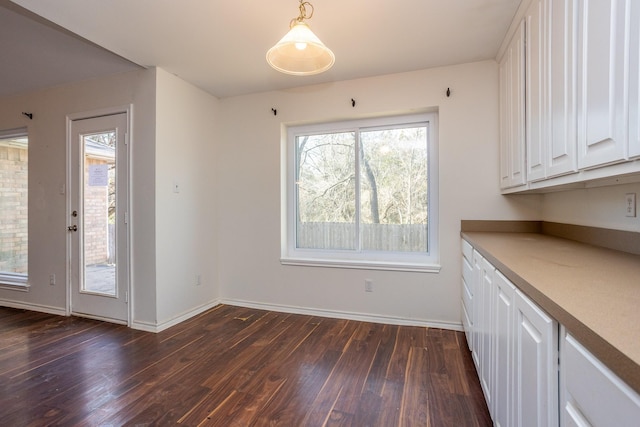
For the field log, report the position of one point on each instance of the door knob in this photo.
(72, 228)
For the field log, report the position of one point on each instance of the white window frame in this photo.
(374, 260)
(9, 280)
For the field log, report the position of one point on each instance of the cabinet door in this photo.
(591, 394)
(504, 358)
(536, 374)
(467, 296)
(478, 309)
(512, 98)
(535, 123)
(486, 354)
(562, 35)
(601, 81)
(634, 80)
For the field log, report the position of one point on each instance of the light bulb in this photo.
(301, 45)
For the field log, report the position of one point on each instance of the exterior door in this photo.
(98, 216)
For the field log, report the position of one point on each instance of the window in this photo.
(13, 207)
(363, 194)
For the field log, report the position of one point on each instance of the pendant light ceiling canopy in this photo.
(300, 52)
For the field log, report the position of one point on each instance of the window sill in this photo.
(14, 281)
(14, 286)
(362, 265)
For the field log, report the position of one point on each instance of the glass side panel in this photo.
(393, 189)
(325, 191)
(99, 213)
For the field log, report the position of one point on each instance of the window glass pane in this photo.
(325, 187)
(393, 181)
(13, 205)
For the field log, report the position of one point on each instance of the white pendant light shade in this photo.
(300, 52)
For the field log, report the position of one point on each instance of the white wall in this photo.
(186, 138)
(47, 174)
(595, 207)
(249, 177)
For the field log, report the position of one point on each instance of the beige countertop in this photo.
(594, 292)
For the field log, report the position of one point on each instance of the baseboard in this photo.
(335, 314)
(159, 327)
(34, 307)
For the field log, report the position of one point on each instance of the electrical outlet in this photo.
(368, 285)
(52, 279)
(630, 204)
(198, 280)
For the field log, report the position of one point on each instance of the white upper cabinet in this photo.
(634, 79)
(535, 109)
(561, 48)
(512, 149)
(579, 103)
(550, 88)
(602, 81)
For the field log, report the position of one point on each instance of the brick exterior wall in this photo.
(14, 213)
(13, 209)
(96, 219)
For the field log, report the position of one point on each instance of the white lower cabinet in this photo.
(486, 326)
(467, 291)
(536, 365)
(592, 395)
(513, 344)
(528, 375)
(478, 310)
(503, 399)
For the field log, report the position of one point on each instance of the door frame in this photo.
(123, 109)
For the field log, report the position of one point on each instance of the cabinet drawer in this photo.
(593, 394)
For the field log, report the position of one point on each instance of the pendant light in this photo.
(300, 52)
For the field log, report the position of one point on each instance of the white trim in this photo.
(17, 281)
(159, 327)
(144, 326)
(362, 265)
(336, 314)
(374, 260)
(126, 109)
(14, 286)
(33, 307)
(100, 318)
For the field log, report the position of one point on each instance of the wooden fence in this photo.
(377, 237)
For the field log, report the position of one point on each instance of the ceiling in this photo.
(220, 45)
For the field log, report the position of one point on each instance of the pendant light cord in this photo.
(303, 13)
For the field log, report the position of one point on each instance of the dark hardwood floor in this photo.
(234, 366)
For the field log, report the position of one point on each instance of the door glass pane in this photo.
(325, 190)
(393, 194)
(99, 213)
